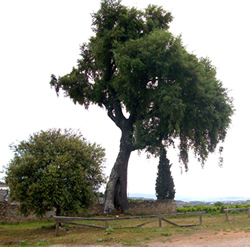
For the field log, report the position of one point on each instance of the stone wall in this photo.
(9, 212)
(3, 194)
(150, 207)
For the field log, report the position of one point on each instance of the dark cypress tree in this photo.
(164, 187)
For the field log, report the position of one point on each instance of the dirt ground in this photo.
(228, 239)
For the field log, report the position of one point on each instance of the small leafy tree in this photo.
(55, 169)
(164, 182)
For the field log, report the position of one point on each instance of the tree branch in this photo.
(112, 117)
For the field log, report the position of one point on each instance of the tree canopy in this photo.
(151, 87)
(55, 169)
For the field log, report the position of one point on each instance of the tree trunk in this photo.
(116, 190)
(58, 211)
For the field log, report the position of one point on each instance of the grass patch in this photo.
(166, 234)
(42, 233)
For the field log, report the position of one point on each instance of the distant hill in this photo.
(184, 201)
(142, 196)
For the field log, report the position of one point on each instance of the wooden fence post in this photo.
(200, 218)
(226, 215)
(57, 226)
(248, 212)
(106, 224)
(159, 221)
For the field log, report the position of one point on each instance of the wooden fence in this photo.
(235, 209)
(153, 218)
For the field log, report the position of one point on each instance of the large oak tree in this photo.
(151, 87)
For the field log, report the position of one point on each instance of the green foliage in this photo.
(42, 242)
(164, 182)
(207, 209)
(217, 208)
(166, 234)
(134, 64)
(55, 169)
(22, 242)
(135, 200)
(218, 204)
(108, 231)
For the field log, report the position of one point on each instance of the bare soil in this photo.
(228, 239)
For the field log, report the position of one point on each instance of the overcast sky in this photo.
(40, 38)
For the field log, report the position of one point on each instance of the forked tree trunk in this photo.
(116, 190)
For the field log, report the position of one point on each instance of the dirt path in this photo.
(228, 239)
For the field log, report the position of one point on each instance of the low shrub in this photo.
(219, 208)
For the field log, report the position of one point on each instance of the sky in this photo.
(40, 38)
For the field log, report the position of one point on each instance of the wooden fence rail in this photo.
(235, 209)
(160, 218)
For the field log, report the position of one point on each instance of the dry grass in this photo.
(43, 233)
